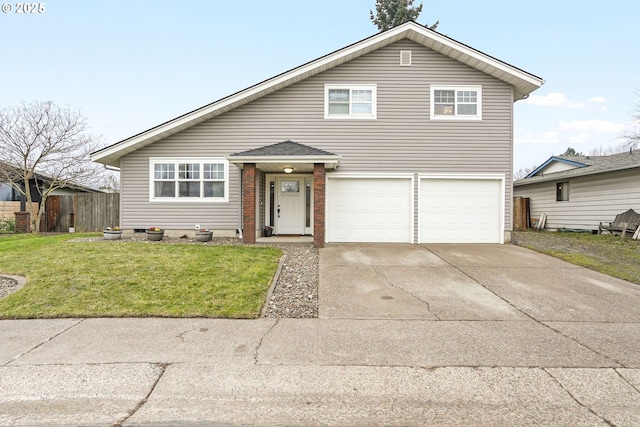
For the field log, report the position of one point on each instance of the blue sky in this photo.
(130, 65)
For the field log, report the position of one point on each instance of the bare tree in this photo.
(44, 147)
(610, 150)
(521, 173)
(110, 182)
(632, 134)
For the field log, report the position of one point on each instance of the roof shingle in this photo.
(285, 148)
(595, 165)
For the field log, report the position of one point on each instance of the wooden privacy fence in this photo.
(84, 211)
(95, 211)
(8, 209)
(521, 213)
(58, 212)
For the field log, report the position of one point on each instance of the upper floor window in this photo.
(350, 102)
(204, 180)
(456, 102)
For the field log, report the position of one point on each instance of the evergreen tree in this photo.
(571, 152)
(391, 13)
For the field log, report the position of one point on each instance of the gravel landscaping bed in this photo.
(7, 286)
(295, 294)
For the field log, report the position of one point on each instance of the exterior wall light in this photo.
(287, 169)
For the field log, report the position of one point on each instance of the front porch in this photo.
(285, 239)
(283, 188)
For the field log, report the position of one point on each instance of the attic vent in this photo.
(405, 58)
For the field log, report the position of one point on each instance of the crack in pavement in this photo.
(44, 342)
(608, 422)
(257, 350)
(569, 337)
(132, 412)
(541, 323)
(406, 291)
(626, 381)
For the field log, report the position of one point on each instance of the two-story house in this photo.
(406, 136)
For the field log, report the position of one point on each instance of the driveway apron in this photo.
(454, 282)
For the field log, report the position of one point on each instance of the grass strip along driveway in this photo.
(118, 279)
(607, 254)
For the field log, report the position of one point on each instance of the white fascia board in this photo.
(280, 159)
(251, 93)
(287, 78)
(329, 162)
(440, 41)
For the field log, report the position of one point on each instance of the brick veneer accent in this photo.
(318, 204)
(249, 203)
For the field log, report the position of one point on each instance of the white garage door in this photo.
(369, 209)
(460, 211)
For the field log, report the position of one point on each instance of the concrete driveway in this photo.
(467, 282)
(408, 335)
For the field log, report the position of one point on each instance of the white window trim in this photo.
(201, 161)
(456, 88)
(374, 95)
(565, 192)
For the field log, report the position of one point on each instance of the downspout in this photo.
(239, 229)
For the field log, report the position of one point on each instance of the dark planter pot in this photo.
(204, 236)
(155, 236)
(268, 232)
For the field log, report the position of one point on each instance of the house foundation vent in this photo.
(405, 58)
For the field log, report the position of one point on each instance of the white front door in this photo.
(290, 205)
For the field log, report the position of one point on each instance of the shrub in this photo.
(8, 225)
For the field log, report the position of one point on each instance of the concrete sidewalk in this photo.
(541, 343)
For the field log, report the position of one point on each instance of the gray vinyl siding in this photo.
(402, 140)
(591, 199)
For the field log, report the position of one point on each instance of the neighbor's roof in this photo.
(47, 178)
(523, 82)
(585, 165)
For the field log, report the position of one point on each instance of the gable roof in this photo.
(16, 172)
(284, 148)
(273, 158)
(592, 165)
(556, 159)
(523, 82)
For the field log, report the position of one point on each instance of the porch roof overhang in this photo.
(275, 157)
(276, 164)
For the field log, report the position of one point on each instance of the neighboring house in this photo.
(12, 200)
(405, 136)
(579, 192)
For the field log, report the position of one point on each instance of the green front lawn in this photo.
(119, 279)
(607, 254)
